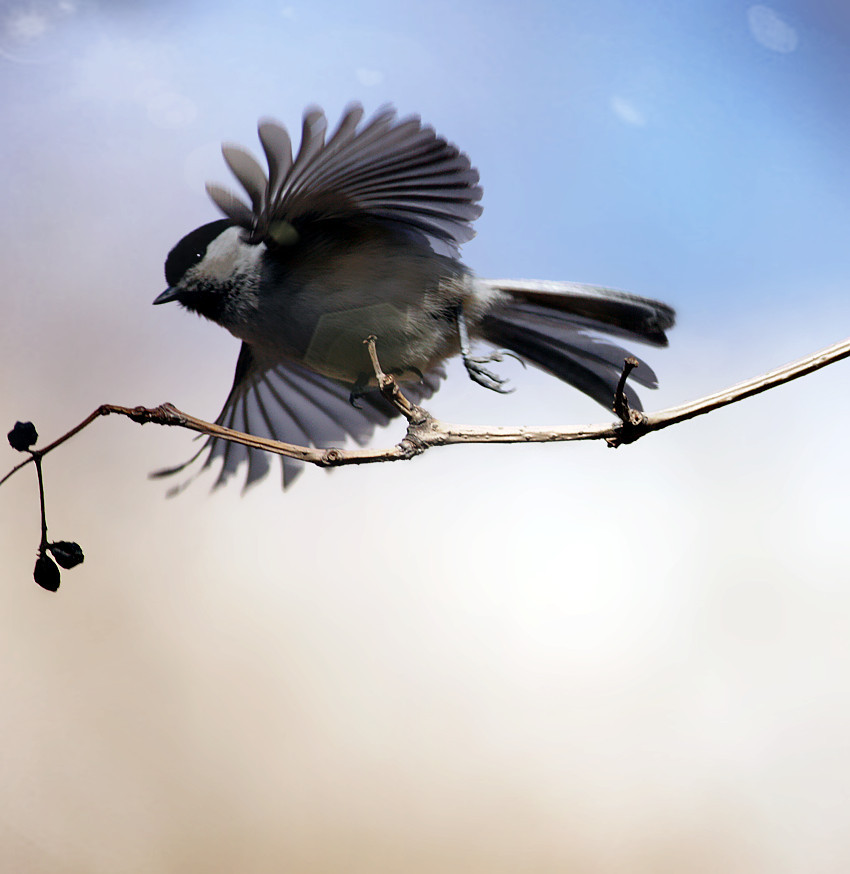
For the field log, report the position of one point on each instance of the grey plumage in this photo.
(398, 170)
(359, 234)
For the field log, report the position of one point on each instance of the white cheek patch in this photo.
(228, 255)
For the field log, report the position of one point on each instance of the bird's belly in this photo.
(409, 341)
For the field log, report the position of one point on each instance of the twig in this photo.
(51, 556)
(36, 458)
(165, 414)
(786, 373)
(631, 419)
(389, 387)
(424, 431)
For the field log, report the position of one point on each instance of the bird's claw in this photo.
(360, 387)
(478, 373)
(500, 354)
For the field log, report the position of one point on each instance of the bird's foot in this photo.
(480, 374)
(360, 387)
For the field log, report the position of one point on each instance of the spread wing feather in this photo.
(398, 170)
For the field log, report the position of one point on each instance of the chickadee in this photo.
(359, 235)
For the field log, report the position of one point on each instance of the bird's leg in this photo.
(475, 366)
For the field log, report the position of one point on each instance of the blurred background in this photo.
(493, 658)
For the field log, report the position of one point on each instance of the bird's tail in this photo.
(555, 325)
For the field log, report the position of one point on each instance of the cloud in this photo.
(770, 30)
(627, 112)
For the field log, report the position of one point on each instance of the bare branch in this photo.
(424, 431)
(786, 373)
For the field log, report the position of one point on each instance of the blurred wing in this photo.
(390, 168)
(292, 404)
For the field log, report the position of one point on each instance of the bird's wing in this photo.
(389, 168)
(292, 404)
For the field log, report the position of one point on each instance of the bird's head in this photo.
(213, 271)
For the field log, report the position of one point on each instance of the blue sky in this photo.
(546, 658)
(658, 147)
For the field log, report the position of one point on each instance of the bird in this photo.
(359, 235)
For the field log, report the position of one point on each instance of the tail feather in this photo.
(554, 325)
(615, 312)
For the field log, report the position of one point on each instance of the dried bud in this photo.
(22, 436)
(67, 553)
(46, 574)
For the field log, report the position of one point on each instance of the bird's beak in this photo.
(167, 296)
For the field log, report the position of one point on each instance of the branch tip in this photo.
(387, 383)
(631, 419)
